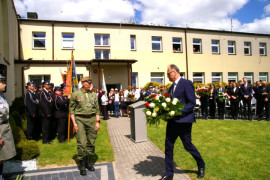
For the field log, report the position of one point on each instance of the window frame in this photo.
(177, 43)
(157, 42)
(263, 76)
(232, 46)
(264, 48)
(157, 77)
(202, 77)
(220, 77)
(102, 40)
(197, 44)
(215, 45)
(248, 77)
(38, 38)
(247, 47)
(134, 41)
(135, 80)
(231, 77)
(102, 53)
(68, 39)
(39, 75)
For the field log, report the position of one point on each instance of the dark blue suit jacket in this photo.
(184, 91)
(246, 91)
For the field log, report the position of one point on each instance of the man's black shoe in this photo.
(82, 167)
(88, 165)
(201, 172)
(167, 178)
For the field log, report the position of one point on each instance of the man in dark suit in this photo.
(221, 104)
(264, 100)
(30, 102)
(180, 126)
(257, 95)
(45, 111)
(246, 91)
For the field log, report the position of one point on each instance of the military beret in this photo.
(57, 88)
(46, 82)
(63, 85)
(31, 83)
(86, 79)
(2, 78)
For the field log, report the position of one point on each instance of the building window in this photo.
(156, 44)
(39, 40)
(231, 47)
(102, 40)
(135, 79)
(39, 79)
(232, 77)
(198, 77)
(177, 44)
(247, 48)
(263, 76)
(215, 46)
(197, 45)
(182, 75)
(157, 77)
(132, 42)
(216, 77)
(68, 41)
(263, 49)
(249, 77)
(102, 54)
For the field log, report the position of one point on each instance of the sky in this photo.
(237, 15)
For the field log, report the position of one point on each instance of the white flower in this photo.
(148, 113)
(175, 100)
(168, 99)
(172, 113)
(154, 114)
(164, 105)
(151, 105)
(157, 97)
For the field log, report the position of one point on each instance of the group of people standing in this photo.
(238, 97)
(46, 109)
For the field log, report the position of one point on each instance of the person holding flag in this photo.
(84, 113)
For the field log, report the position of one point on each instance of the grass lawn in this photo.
(62, 154)
(231, 149)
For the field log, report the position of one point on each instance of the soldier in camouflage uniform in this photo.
(84, 113)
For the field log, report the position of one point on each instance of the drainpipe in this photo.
(23, 69)
(186, 53)
(19, 38)
(52, 40)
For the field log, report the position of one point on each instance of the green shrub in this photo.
(11, 121)
(216, 84)
(17, 105)
(27, 150)
(18, 134)
(20, 121)
(154, 84)
(168, 86)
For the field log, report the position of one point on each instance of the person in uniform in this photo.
(30, 102)
(84, 113)
(61, 112)
(7, 147)
(45, 111)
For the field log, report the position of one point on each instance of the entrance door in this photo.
(109, 86)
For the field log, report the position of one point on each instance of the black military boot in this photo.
(82, 167)
(88, 165)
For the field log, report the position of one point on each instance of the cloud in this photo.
(78, 10)
(206, 14)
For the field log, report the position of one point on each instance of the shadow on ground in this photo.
(153, 166)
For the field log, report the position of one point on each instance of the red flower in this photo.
(147, 105)
(154, 96)
(166, 95)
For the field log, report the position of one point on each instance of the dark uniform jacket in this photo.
(263, 90)
(235, 94)
(60, 106)
(30, 102)
(45, 103)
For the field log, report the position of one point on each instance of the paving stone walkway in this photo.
(136, 161)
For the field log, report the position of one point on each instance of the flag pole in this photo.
(71, 64)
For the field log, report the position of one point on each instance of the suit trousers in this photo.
(221, 108)
(212, 108)
(30, 127)
(265, 105)
(45, 129)
(247, 104)
(61, 128)
(182, 130)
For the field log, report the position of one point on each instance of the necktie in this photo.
(174, 86)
